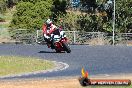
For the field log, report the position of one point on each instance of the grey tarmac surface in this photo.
(95, 59)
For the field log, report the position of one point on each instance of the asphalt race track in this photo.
(95, 59)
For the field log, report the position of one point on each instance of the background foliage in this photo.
(30, 14)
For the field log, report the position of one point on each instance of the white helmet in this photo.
(48, 21)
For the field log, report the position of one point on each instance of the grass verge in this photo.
(4, 33)
(2, 26)
(10, 65)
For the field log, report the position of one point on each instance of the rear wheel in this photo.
(66, 47)
(57, 51)
(56, 48)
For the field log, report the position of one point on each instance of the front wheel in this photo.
(66, 47)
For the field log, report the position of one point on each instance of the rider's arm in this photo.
(52, 29)
(44, 29)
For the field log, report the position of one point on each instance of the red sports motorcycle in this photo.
(60, 41)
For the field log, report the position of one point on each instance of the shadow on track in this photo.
(49, 52)
(46, 52)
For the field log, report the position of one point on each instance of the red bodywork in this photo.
(59, 46)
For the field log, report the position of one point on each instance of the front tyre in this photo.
(66, 47)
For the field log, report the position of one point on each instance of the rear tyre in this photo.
(57, 51)
(66, 47)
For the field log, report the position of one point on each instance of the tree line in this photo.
(31, 14)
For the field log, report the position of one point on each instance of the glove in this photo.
(48, 34)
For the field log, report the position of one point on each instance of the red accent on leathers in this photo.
(44, 28)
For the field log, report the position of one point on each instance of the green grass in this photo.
(4, 33)
(15, 65)
(4, 26)
(7, 16)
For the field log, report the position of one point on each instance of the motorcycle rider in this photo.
(48, 29)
